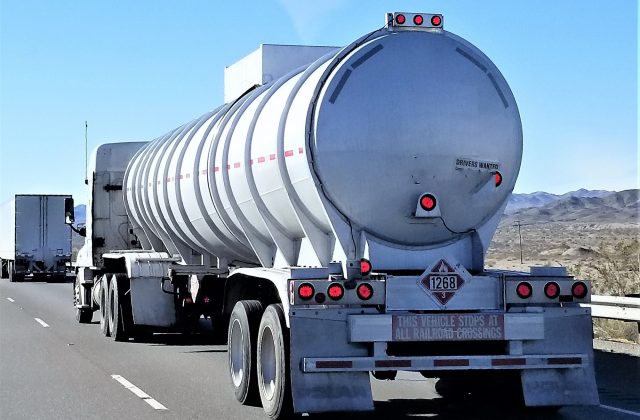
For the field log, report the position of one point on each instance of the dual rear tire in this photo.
(115, 307)
(258, 348)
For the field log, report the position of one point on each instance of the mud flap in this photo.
(566, 331)
(324, 392)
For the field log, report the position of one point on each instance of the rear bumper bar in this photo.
(439, 363)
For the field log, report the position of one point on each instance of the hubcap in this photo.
(236, 353)
(268, 363)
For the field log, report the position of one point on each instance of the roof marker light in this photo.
(418, 20)
(400, 19)
(436, 20)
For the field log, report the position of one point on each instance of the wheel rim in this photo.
(76, 295)
(268, 363)
(236, 353)
(111, 308)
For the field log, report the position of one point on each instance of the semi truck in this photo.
(332, 219)
(34, 240)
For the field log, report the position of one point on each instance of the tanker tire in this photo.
(274, 380)
(119, 308)
(83, 315)
(104, 307)
(241, 345)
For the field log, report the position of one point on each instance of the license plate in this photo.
(448, 327)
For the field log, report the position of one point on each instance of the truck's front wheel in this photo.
(274, 381)
(241, 344)
(104, 306)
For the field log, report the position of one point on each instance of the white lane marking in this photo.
(41, 322)
(620, 410)
(139, 393)
(10, 300)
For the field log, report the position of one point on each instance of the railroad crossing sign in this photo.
(442, 282)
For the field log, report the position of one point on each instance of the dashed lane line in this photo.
(620, 410)
(10, 300)
(41, 322)
(139, 393)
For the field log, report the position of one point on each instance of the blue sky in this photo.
(136, 69)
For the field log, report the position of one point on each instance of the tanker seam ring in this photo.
(495, 85)
(471, 58)
(341, 84)
(373, 51)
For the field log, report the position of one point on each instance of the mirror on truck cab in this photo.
(69, 212)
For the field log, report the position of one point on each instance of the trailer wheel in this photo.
(83, 315)
(274, 380)
(119, 307)
(104, 306)
(241, 339)
(10, 272)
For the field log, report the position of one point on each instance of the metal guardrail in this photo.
(615, 307)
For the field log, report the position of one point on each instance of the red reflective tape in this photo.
(564, 361)
(261, 159)
(300, 150)
(393, 363)
(251, 162)
(334, 364)
(508, 362)
(272, 157)
(236, 165)
(216, 169)
(228, 167)
(288, 153)
(451, 362)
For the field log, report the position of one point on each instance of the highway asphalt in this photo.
(51, 367)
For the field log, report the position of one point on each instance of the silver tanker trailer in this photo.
(332, 220)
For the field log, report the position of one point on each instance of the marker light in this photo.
(524, 290)
(365, 267)
(305, 291)
(418, 19)
(335, 291)
(552, 290)
(579, 290)
(364, 291)
(428, 202)
(436, 20)
(400, 19)
(498, 178)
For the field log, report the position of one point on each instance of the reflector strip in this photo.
(272, 156)
(508, 362)
(288, 153)
(393, 363)
(564, 361)
(451, 362)
(334, 364)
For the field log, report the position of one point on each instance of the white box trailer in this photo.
(34, 239)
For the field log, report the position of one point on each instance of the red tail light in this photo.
(428, 202)
(306, 291)
(579, 290)
(335, 291)
(418, 19)
(364, 291)
(498, 177)
(400, 19)
(524, 290)
(552, 290)
(365, 267)
(436, 20)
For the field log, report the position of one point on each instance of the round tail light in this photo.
(365, 267)
(306, 291)
(335, 291)
(364, 291)
(428, 202)
(498, 179)
(400, 19)
(524, 290)
(418, 20)
(552, 290)
(579, 290)
(436, 20)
